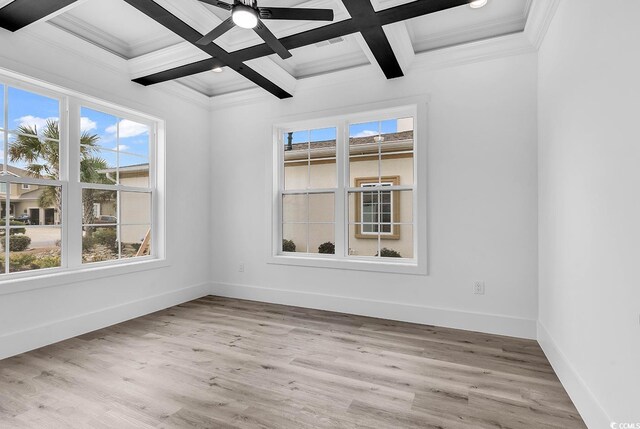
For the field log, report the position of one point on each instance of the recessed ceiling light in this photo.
(244, 16)
(477, 4)
(217, 70)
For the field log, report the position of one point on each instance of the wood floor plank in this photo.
(233, 364)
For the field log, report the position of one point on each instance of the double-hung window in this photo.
(117, 187)
(345, 191)
(77, 180)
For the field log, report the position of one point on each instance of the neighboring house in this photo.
(135, 207)
(25, 200)
(391, 155)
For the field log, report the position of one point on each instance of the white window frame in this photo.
(72, 268)
(414, 107)
(362, 222)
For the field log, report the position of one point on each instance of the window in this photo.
(75, 188)
(345, 191)
(376, 210)
(116, 187)
(308, 200)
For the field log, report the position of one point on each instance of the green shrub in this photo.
(29, 261)
(288, 246)
(48, 262)
(328, 248)
(22, 262)
(18, 243)
(389, 253)
(106, 237)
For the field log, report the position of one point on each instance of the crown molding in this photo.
(474, 52)
(50, 35)
(244, 97)
(541, 15)
(166, 58)
(334, 64)
(400, 41)
(276, 74)
(91, 34)
(468, 53)
(444, 39)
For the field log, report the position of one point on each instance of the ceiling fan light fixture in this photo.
(217, 69)
(244, 16)
(477, 4)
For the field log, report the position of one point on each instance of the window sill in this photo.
(22, 282)
(408, 266)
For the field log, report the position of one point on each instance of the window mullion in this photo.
(72, 210)
(342, 198)
(4, 171)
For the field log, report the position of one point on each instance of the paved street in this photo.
(43, 236)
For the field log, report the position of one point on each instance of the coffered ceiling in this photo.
(158, 48)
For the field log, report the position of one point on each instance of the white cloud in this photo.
(87, 124)
(122, 147)
(128, 129)
(366, 133)
(34, 121)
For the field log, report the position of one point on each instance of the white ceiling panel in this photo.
(464, 24)
(326, 57)
(117, 27)
(211, 83)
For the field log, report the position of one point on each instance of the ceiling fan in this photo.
(247, 14)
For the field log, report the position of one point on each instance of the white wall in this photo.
(482, 199)
(589, 206)
(80, 303)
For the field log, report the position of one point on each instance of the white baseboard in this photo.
(594, 416)
(29, 339)
(479, 322)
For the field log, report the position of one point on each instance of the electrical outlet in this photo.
(241, 267)
(478, 287)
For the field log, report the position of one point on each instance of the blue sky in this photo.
(355, 130)
(132, 141)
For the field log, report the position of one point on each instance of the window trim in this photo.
(416, 107)
(70, 102)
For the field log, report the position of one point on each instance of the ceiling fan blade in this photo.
(216, 32)
(296, 14)
(220, 4)
(271, 40)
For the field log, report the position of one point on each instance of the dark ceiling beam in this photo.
(366, 21)
(392, 15)
(416, 9)
(162, 16)
(306, 38)
(178, 72)
(20, 13)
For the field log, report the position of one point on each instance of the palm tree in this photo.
(41, 153)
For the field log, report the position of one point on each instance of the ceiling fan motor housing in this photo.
(244, 16)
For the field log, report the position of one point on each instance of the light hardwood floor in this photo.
(224, 363)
